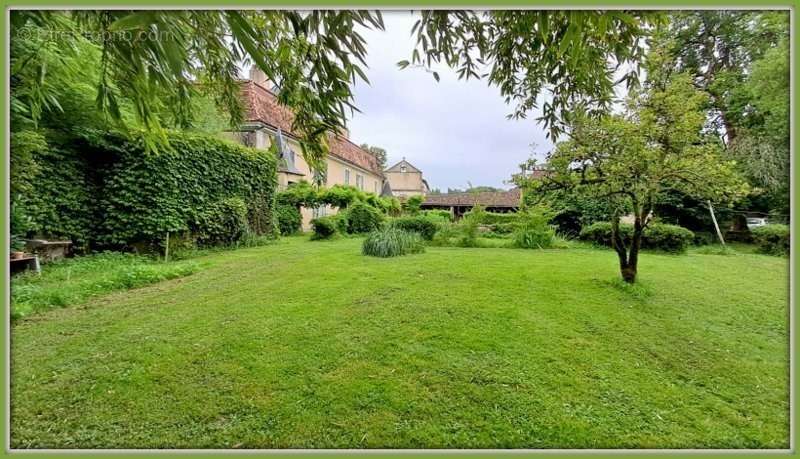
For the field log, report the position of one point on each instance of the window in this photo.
(320, 211)
(359, 182)
(375, 186)
(403, 169)
(347, 176)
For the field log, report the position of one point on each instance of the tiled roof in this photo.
(262, 105)
(509, 198)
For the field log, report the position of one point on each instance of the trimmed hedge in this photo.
(658, 236)
(54, 198)
(772, 239)
(422, 225)
(495, 218)
(392, 242)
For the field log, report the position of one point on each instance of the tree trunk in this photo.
(628, 256)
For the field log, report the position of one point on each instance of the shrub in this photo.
(468, 228)
(600, 233)
(392, 242)
(341, 196)
(533, 230)
(221, 223)
(289, 218)
(704, 238)
(438, 214)
(325, 227)
(412, 205)
(492, 218)
(300, 194)
(772, 239)
(421, 225)
(669, 238)
(363, 218)
(659, 236)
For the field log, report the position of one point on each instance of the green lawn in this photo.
(311, 345)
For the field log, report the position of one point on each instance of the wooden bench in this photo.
(27, 262)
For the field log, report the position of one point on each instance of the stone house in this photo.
(267, 121)
(405, 180)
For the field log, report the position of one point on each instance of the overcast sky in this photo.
(454, 131)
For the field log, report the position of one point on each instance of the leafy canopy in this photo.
(569, 56)
(635, 158)
(158, 60)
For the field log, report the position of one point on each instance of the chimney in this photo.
(259, 77)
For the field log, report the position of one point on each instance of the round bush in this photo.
(289, 218)
(392, 242)
(363, 218)
(669, 238)
(421, 225)
(324, 227)
(772, 239)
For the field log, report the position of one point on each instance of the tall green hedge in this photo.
(176, 190)
(59, 201)
(107, 192)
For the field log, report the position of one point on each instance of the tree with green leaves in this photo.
(156, 61)
(379, 154)
(741, 59)
(718, 48)
(634, 159)
(570, 57)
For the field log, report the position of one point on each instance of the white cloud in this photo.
(455, 131)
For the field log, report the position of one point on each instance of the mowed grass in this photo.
(312, 345)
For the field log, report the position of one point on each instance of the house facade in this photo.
(405, 180)
(267, 122)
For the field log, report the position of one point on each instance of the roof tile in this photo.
(509, 198)
(260, 104)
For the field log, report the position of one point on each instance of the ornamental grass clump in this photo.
(533, 230)
(392, 242)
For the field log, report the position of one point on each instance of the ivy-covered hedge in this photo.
(108, 192)
(56, 199)
(189, 186)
